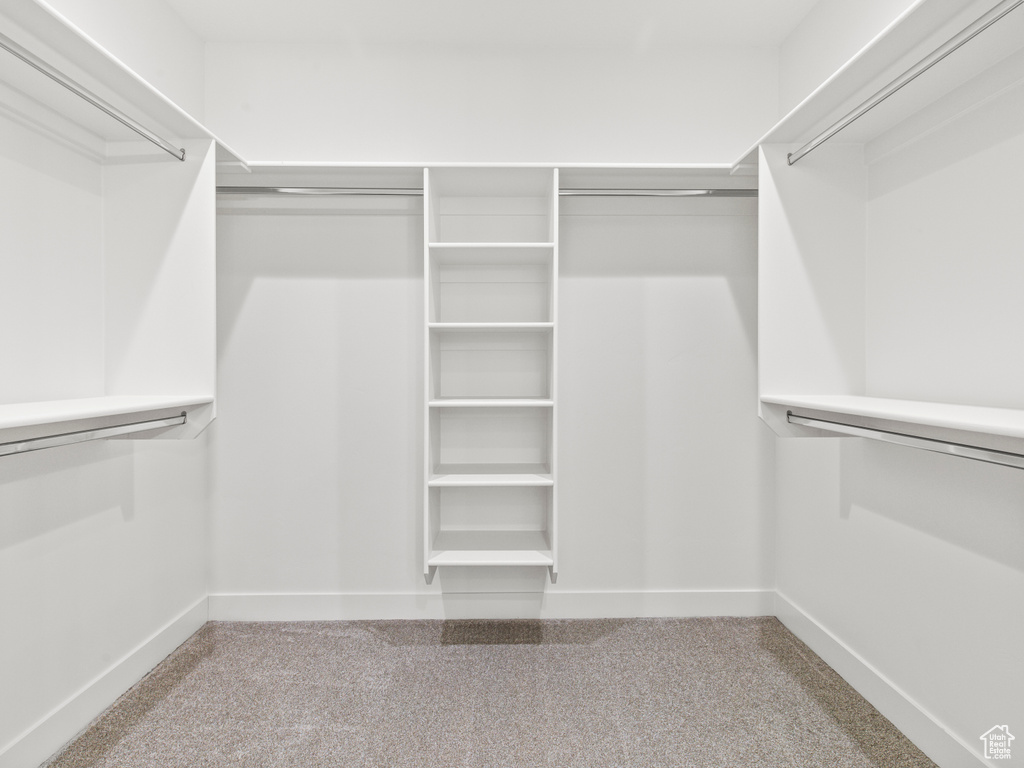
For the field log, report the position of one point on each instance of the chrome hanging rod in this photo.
(322, 191)
(659, 192)
(59, 77)
(989, 455)
(82, 436)
(416, 192)
(929, 61)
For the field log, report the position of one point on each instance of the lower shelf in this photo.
(1005, 422)
(60, 411)
(495, 548)
(58, 418)
(994, 435)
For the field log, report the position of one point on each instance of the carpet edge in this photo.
(912, 719)
(62, 724)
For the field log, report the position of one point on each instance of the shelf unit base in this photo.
(491, 548)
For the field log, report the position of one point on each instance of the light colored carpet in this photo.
(625, 693)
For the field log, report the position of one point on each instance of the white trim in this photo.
(489, 605)
(659, 603)
(913, 720)
(68, 719)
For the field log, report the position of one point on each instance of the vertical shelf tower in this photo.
(491, 282)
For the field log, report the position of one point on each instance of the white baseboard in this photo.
(915, 722)
(660, 603)
(62, 724)
(489, 605)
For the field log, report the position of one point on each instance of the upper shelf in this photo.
(409, 175)
(32, 97)
(397, 188)
(984, 64)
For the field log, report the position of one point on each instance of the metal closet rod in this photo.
(417, 192)
(929, 61)
(84, 435)
(988, 455)
(59, 77)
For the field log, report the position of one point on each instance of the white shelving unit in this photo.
(109, 239)
(889, 256)
(491, 266)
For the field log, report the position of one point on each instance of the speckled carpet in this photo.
(702, 692)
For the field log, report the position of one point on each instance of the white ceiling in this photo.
(638, 24)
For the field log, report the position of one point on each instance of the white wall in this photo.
(811, 272)
(912, 559)
(381, 104)
(49, 273)
(666, 472)
(943, 272)
(150, 39)
(103, 546)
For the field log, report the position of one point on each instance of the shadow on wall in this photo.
(319, 359)
(662, 456)
(970, 504)
(45, 491)
(594, 243)
(295, 247)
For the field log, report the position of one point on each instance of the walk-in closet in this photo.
(544, 384)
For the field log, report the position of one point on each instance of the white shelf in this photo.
(52, 38)
(497, 475)
(1004, 422)
(492, 402)
(33, 420)
(490, 246)
(893, 51)
(491, 548)
(58, 411)
(525, 326)
(409, 175)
